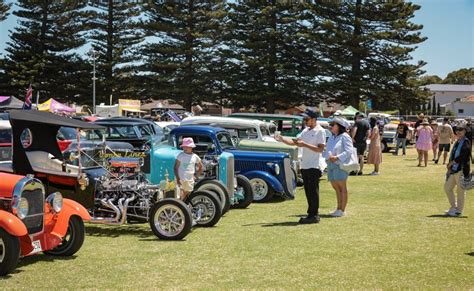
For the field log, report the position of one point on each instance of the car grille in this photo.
(34, 220)
(250, 166)
(289, 176)
(230, 176)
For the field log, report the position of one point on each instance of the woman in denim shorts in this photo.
(338, 150)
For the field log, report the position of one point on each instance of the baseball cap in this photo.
(308, 113)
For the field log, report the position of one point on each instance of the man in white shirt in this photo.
(312, 140)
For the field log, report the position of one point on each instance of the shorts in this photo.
(361, 147)
(187, 185)
(445, 147)
(335, 173)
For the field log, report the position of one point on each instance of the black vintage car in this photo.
(140, 133)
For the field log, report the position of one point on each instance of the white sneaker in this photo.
(452, 212)
(374, 173)
(338, 213)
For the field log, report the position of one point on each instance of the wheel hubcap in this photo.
(203, 209)
(260, 189)
(169, 220)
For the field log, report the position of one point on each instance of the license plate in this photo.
(36, 247)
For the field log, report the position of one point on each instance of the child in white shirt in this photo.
(185, 167)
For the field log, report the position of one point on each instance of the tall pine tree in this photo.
(4, 7)
(115, 37)
(40, 50)
(368, 44)
(184, 36)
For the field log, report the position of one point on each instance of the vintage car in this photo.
(269, 173)
(389, 140)
(113, 188)
(166, 127)
(234, 191)
(140, 133)
(31, 223)
(288, 125)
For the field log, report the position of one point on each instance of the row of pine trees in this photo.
(261, 54)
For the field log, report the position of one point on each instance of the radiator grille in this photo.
(34, 220)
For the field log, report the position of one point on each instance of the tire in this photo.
(244, 183)
(166, 207)
(9, 252)
(72, 241)
(220, 190)
(208, 204)
(262, 192)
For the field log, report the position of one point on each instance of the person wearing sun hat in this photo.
(185, 167)
(339, 150)
(312, 141)
(424, 142)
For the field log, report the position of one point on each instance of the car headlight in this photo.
(22, 209)
(275, 168)
(55, 201)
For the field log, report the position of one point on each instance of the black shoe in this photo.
(436, 161)
(309, 220)
(359, 174)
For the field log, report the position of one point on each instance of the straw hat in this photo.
(425, 122)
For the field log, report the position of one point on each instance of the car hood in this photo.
(257, 155)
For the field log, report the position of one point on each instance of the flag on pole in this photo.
(27, 103)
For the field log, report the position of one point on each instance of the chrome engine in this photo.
(123, 192)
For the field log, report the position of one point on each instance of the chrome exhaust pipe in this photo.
(106, 220)
(124, 208)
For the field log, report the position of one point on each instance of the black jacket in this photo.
(464, 159)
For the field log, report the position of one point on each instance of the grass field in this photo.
(394, 236)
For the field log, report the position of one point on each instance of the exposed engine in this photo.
(210, 164)
(124, 192)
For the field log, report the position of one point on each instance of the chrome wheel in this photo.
(169, 220)
(203, 209)
(260, 189)
(2, 250)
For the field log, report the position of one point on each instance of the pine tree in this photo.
(4, 7)
(115, 37)
(368, 44)
(185, 40)
(40, 49)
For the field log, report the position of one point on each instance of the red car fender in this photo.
(70, 208)
(12, 224)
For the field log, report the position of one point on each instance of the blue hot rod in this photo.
(269, 173)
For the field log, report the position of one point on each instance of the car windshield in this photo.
(68, 133)
(145, 130)
(225, 140)
(114, 132)
(264, 130)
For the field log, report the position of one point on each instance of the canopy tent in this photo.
(54, 106)
(10, 102)
(349, 111)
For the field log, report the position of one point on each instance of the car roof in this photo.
(267, 116)
(125, 120)
(197, 128)
(46, 118)
(224, 120)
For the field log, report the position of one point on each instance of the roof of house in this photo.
(450, 87)
(469, 99)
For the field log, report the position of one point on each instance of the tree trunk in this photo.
(188, 75)
(270, 98)
(109, 83)
(355, 78)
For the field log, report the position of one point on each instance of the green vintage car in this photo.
(248, 135)
(288, 125)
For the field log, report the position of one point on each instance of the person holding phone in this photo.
(312, 140)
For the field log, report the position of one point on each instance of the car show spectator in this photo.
(459, 167)
(401, 137)
(339, 150)
(312, 140)
(434, 138)
(360, 133)
(418, 122)
(446, 138)
(424, 143)
(375, 148)
(185, 167)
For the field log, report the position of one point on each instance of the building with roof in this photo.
(446, 94)
(462, 108)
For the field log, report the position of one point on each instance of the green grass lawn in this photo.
(394, 236)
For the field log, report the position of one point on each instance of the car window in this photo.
(5, 135)
(145, 130)
(264, 130)
(225, 140)
(66, 133)
(118, 132)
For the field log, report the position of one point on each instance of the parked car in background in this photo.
(138, 132)
(288, 125)
(389, 140)
(5, 140)
(166, 127)
(31, 223)
(269, 173)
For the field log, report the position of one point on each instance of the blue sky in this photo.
(448, 24)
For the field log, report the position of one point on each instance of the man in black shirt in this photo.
(360, 132)
(401, 136)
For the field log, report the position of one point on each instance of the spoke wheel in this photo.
(261, 191)
(170, 219)
(205, 207)
(72, 240)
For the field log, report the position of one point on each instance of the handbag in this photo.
(466, 183)
(353, 164)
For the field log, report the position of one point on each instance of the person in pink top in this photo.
(424, 142)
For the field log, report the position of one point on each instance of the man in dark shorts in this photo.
(360, 132)
(446, 139)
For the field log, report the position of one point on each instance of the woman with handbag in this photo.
(341, 159)
(459, 168)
